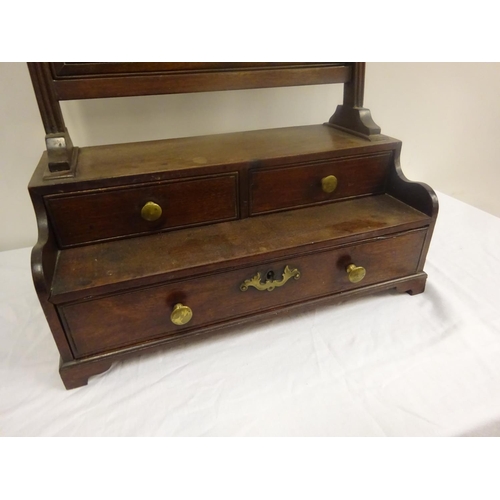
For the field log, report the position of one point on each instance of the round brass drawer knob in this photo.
(151, 211)
(181, 314)
(329, 184)
(355, 273)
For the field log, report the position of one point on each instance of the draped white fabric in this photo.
(384, 365)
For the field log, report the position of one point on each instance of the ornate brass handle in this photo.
(181, 314)
(151, 211)
(329, 184)
(355, 273)
(270, 284)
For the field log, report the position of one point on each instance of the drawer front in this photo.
(129, 318)
(113, 213)
(304, 185)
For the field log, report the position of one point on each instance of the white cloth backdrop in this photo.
(384, 365)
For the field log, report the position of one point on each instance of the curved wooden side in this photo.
(417, 195)
(43, 260)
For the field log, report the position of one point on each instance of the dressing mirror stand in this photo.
(145, 244)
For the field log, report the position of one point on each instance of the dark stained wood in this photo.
(101, 166)
(129, 318)
(351, 115)
(90, 69)
(94, 269)
(54, 82)
(61, 154)
(415, 194)
(413, 286)
(43, 262)
(300, 186)
(111, 213)
(234, 205)
(76, 373)
(354, 89)
(173, 81)
(50, 109)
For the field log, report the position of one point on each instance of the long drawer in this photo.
(132, 317)
(103, 214)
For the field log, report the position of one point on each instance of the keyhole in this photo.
(270, 275)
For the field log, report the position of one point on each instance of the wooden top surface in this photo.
(284, 145)
(86, 270)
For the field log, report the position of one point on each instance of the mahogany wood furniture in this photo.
(145, 244)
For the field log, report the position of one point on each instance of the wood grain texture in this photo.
(94, 269)
(233, 205)
(77, 372)
(91, 69)
(351, 115)
(354, 89)
(139, 81)
(43, 262)
(416, 194)
(295, 187)
(61, 156)
(104, 166)
(54, 82)
(137, 316)
(76, 375)
(105, 214)
(50, 109)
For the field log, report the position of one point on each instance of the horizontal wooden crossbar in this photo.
(100, 80)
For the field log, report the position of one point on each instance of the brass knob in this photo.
(329, 184)
(181, 314)
(355, 273)
(151, 211)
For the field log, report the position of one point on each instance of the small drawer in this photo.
(112, 213)
(311, 184)
(111, 322)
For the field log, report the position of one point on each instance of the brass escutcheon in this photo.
(181, 314)
(270, 284)
(151, 211)
(329, 184)
(355, 273)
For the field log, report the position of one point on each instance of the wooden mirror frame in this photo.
(54, 82)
